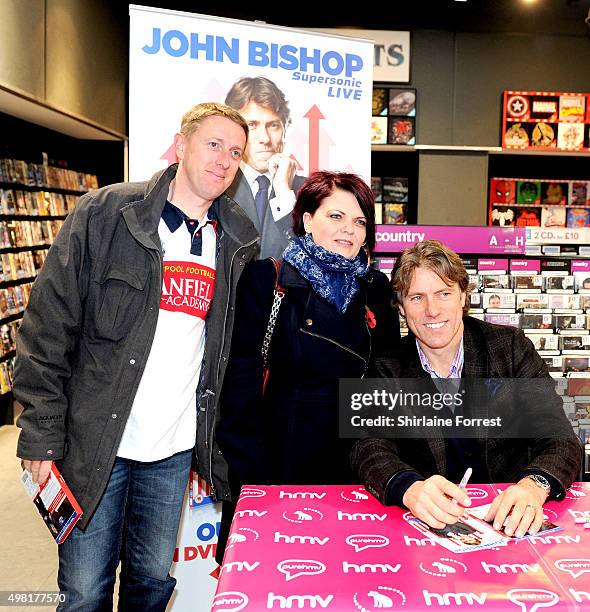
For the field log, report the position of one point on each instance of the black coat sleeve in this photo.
(240, 427)
(385, 336)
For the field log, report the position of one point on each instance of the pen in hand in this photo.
(465, 480)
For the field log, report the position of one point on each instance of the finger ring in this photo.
(530, 506)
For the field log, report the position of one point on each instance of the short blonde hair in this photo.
(435, 256)
(193, 117)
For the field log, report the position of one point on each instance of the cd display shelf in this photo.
(34, 202)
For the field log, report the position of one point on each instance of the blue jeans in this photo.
(136, 522)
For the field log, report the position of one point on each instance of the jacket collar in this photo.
(143, 216)
(476, 356)
(290, 277)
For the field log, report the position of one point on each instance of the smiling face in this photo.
(266, 135)
(434, 312)
(338, 224)
(209, 159)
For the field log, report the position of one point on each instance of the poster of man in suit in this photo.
(305, 95)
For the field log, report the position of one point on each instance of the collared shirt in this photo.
(279, 206)
(456, 368)
(163, 419)
(174, 218)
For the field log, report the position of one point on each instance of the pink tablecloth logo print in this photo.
(574, 493)
(242, 534)
(354, 495)
(360, 516)
(251, 513)
(251, 492)
(574, 567)
(531, 600)
(229, 601)
(373, 568)
(549, 515)
(303, 516)
(579, 514)
(453, 599)
(293, 568)
(301, 495)
(297, 601)
(475, 493)
(239, 566)
(283, 538)
(443, 567)
(363, 541)
(379, 598)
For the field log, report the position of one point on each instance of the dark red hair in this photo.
(322, 184)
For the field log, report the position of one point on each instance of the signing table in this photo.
(337, 548)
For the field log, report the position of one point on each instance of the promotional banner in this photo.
(180, 59)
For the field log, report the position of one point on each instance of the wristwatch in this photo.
(541, 482)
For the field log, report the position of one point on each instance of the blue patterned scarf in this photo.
(332, 276)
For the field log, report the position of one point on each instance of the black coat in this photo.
(291, 436)
(491, 351)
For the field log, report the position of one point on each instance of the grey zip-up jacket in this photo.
(89, 327)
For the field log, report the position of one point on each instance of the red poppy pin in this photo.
(370, 317)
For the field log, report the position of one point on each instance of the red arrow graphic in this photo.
(314, 115)
(170, 155)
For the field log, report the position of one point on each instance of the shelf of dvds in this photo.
(35, 199)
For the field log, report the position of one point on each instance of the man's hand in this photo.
(518, 509)
(39, 469)
(436, 501)
(282, 168)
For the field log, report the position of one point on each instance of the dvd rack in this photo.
(35, 199)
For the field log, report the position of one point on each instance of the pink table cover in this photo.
(337, 548)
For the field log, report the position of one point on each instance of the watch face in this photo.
(540, 481)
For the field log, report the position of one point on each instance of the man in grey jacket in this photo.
(127, 330)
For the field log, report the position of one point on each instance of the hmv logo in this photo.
(507, 568)
(252, 513)
(580, 596)
(418, 541)
(370, 567)
(453, 599)
(298, 539)
(301, 495)
(297, 601)
(239, 566)
(359, 516)
(564, 539)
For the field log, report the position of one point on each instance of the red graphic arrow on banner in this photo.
(215, 573)
(314, 115)
(170, 155)
(298, 165)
